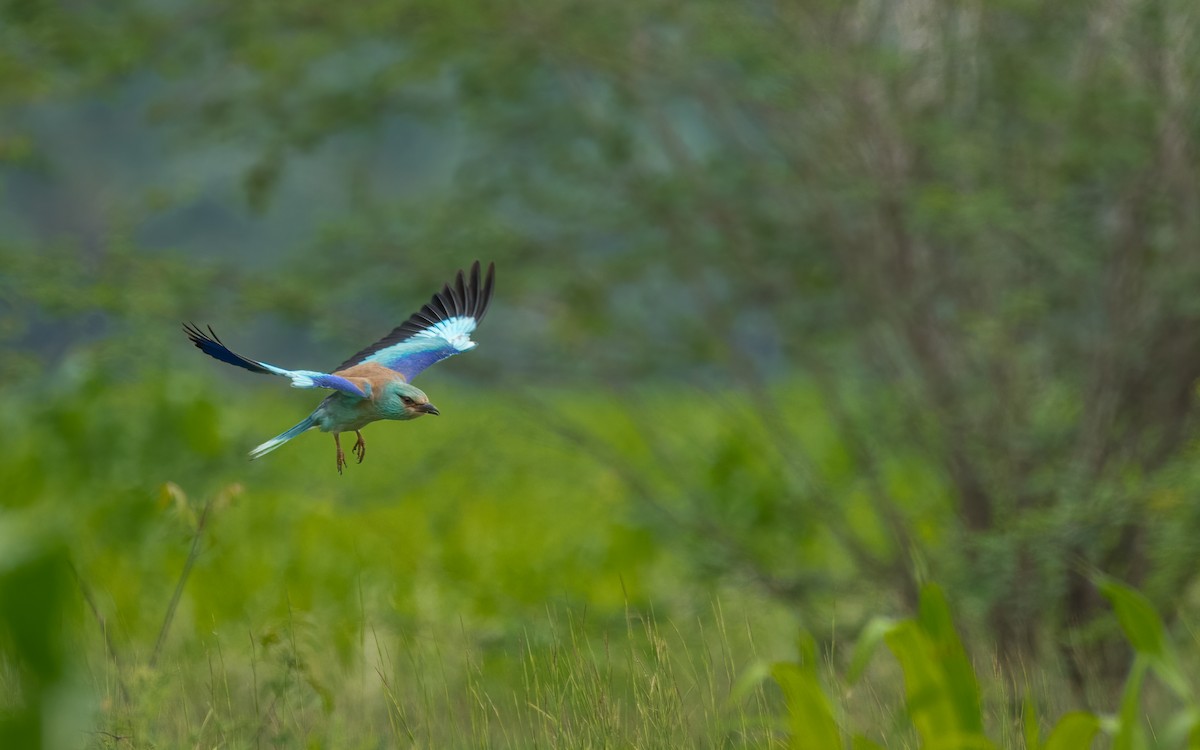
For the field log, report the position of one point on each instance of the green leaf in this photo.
(1130, 731)
(1030, 723)
(33, 580)
(1138, 619)
(943, 696)
(1183, 729)
(1074, 731)
(960, 676)
(929, 705)
(750, 678)
(868, 643)
(810, 714)
(1145, 631)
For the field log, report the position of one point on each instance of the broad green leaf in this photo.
(932, 706)
(754, 673)
(1145, 631)
(962, 687)
(1138, 619)
(810, 717)
(1074, 731)
(32, 587)
(810, 714)
(1183, 729)
(868, 643)
(1130, 731)
(940, 685)
(929, 706)
(1029, 722)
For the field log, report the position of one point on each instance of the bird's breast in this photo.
(342, 413)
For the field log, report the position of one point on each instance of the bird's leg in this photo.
(341, 457)
(360, 447)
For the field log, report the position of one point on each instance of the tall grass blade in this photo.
(193, 553)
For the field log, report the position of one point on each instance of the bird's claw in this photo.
(341, 457)
(360, 447)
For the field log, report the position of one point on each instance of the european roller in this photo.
(376, 383)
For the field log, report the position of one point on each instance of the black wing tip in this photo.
(211, 345)
(478, 296)
(489, 285)
(466, 297)
(460, 297)
(202, 340)
(198, 336)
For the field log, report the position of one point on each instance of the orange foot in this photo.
(360, 447)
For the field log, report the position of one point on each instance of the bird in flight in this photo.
(375, 383)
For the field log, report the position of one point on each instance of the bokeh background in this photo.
(801, 306)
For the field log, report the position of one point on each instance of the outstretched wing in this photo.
(212, 346)
(440, 329)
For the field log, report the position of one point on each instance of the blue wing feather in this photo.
(328, 380)
(440, 329)
(212, 346)
(409, 358)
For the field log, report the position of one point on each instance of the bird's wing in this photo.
(212, 346)
(440, 329)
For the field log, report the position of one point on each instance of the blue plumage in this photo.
(374, 383)
(443, 325)
(212, 346)
(305, 425)
(411, 357)
(337, 383)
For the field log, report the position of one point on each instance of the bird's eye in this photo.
(407, 401)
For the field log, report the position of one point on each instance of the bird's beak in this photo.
(430, 409)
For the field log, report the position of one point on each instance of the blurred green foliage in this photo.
(944, 698)
(801, 306)
(445, 577)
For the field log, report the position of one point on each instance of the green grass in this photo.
(491, 579)
(563, 682)
(415, 689)
(570, 683)
(475, 583)
(944, 704)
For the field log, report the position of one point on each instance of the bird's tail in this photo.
(262, 450)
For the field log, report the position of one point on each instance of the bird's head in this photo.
(405, 401)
